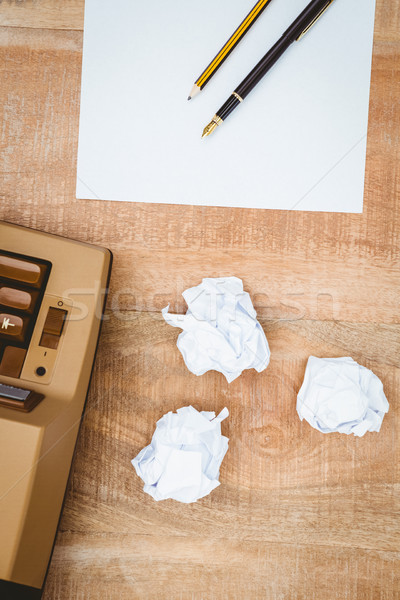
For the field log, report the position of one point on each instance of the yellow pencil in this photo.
(228, 47)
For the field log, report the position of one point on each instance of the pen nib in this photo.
(209, 128)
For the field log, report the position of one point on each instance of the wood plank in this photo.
(43, 14)
(203, 568)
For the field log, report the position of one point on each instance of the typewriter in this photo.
(52, 298)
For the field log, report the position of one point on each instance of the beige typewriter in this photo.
(52, 295)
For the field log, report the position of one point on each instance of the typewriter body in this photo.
(52, 296)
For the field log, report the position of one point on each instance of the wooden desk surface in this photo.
(299, 515)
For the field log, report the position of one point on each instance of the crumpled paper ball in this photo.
(340, 395)
(184, 457)
(220, 329)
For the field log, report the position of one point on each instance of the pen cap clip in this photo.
(319, 15)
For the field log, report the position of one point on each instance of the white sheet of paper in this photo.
(298, 142)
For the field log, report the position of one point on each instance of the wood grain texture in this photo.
(299, 515)
(42, 14)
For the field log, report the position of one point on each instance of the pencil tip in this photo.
(194, 91)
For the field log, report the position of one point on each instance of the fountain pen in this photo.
(295, 32)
